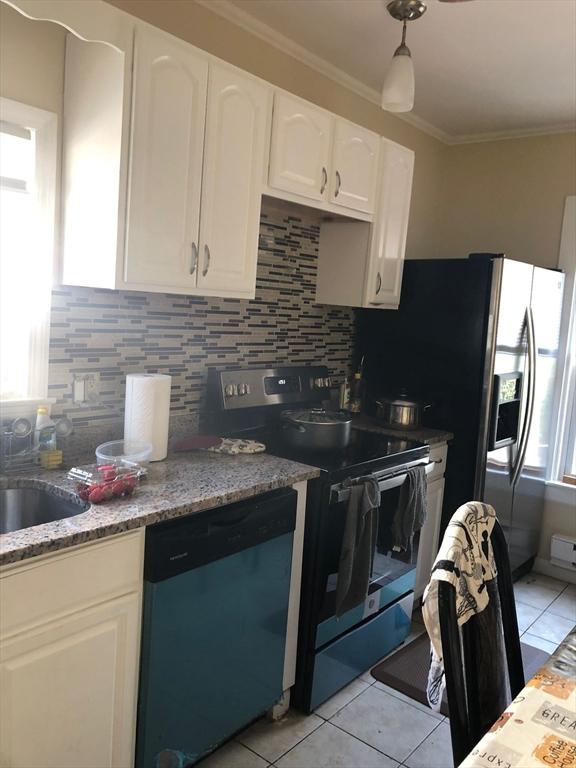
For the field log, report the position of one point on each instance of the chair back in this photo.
(483, 658)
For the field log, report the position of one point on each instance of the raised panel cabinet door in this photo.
(300, 149)
(68, 690)
(384, 275)
(168, 116)
(232, 182)
(428, 545)
(354, 167)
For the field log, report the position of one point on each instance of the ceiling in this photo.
(484, 69)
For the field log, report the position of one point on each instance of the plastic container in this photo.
(105, 482)
(124, 452)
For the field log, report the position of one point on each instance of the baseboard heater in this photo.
(563, 551)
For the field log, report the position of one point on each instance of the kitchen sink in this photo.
(25, 506)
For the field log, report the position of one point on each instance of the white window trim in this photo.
(565, 388)
(45, 125)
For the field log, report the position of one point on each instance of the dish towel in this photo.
(358, 543)
(466, 561)
(411, 510)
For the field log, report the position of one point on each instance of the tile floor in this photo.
(369, 725)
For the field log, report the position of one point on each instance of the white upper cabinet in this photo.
(236, 123)
(300, 148)
(386, 263)
(169, 102)
(321, 157)
(354, 167)
(361, 264)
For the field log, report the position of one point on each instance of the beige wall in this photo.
(31, 60)
(508, 196)
(559, 517)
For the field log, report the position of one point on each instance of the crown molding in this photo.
(254, 26)
(521, 133)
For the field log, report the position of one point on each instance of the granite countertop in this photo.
(180, 485)
(422, 434)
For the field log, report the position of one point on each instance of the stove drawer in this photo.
(346, 658)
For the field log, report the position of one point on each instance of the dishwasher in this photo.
(216, 590)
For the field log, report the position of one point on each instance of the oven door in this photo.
(393, 573)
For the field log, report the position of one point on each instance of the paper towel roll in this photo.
(148, 411)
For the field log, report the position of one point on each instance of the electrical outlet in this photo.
(92, 387)
(86, 387)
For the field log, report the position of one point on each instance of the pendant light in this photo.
(398, 90)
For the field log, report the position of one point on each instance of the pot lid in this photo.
(317, 416)
(399, 401)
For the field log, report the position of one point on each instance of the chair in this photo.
(479, 686)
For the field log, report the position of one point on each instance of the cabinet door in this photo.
(428, 546)
(354, 167)
(68, 690)
(384, 275)
(300, 149)
(232, 182)
(168, 115)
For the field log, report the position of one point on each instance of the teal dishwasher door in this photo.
(212, 650)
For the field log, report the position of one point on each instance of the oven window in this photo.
(389, 569)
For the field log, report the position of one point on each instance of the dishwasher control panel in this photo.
(189, 542)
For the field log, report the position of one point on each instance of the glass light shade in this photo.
(398, 90)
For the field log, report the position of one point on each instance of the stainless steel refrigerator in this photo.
(478, 340)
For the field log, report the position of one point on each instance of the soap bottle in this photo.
(44, 431)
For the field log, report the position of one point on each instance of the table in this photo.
(539, 727)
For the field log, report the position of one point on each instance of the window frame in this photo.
(564, 431)
(45, 126)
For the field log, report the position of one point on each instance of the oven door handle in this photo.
(338, 493)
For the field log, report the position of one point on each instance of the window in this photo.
(28, 150)
(564, 465)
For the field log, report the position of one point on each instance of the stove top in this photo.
(247, 402)
(365, 453)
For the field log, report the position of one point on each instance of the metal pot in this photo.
(400, 412)
(316, 429)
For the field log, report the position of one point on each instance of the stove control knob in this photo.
(230, 390)
(242, 389)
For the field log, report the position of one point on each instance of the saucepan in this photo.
(400, 412)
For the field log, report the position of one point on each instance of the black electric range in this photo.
(334, 645)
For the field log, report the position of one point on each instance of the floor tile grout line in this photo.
(353, 735)
(294, 745)
(327, 719)
(424, 739)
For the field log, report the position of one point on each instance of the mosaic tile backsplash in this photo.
(113, 333)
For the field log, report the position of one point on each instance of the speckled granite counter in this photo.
(178, 486)
(422, 435)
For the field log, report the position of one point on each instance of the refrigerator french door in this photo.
(525, 364)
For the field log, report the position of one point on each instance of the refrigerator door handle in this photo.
(527, 426)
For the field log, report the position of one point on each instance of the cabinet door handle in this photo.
(206, 261)
(324, 180)
(378, 283)
(338, 183)
(194, 260)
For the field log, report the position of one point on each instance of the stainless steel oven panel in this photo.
(388, 479)
(245, 387)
